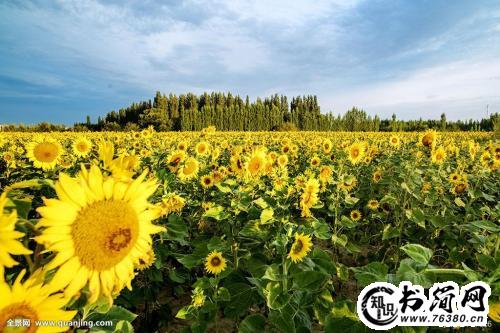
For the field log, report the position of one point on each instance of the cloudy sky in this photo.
(61, 60)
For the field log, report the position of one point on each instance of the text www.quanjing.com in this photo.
(83, 323)
(442, 319)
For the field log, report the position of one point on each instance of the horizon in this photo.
(68, 59)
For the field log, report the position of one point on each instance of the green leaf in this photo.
(347, 222)
(188, 260)
(487, 262)
(373, 272)
(183, 312)
(344, 325)
(215, 212)
(266, 215)
(418, 253)
(485, 225)
(283, 321)
(261, 203)
(321, 229)
(351, 200)
(23, 207)
(223, 294)
(123, 326)
(390, 232)
(340, 240)
(117, 313)
(176, 228)
(273, 273)
(342, 272)
(459, 202)
(323, 262)
(275, 297)
(308, 280)
(252, 323)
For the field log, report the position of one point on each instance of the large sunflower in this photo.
(215, 263)
(44, 153)
(300, 248)
(100, 228)
(8, 237)
(32, 301)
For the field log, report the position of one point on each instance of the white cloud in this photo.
(466, 86)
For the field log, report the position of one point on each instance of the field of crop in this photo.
(239, 231)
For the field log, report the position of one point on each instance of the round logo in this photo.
(378, 306)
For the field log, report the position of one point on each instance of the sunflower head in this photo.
(215, 263)
(373, 204)
(429, 139)
(300, 247)
(44, 153)
(189, 170)
(99, 228)
(355, 215)
(82, 147)
(356, 152)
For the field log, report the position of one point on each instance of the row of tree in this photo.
(190, 112)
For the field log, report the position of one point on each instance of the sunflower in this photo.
(355, 215)
(372, 204)
(174, 159)
(429, 139)
(202, 148)
(207, 181)
(300, 248)
(198, 298)
(99, 228)
(44, 153)
(438, 156)
(173, 203)
(215, 263)
(494, 312)
(459, 188)
(256, 165)
(377, 176)
(455, 177)
(82, 147)
(315, 161)
(348, 183)
(189, 170)
(327, 146)
(325, 173)
(356, 152)
(147, 260)
(32, 301)
(237, 165)
(394, 141)
(183, 145)
(8, 237)
(310, 197)
(282, 160)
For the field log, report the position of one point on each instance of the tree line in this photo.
(227, 112)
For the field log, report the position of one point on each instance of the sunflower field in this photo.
(238, 231)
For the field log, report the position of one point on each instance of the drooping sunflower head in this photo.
(174, 160)
(300, 248)
(215, 263)
(99, 228)
(355, 215)
(377, 176)
(9, 244)
(82, 147)
(44, 152)
(32, 301)
(459, 187)
(429, 139)
(198, 298)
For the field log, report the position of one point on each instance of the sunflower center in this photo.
(297, 247)
(355, 153)
(104, 233)
(45, 152)
(215, 261)
(189, 168)
(82, 147)
(18, 311)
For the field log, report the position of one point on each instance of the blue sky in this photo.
(61, 60)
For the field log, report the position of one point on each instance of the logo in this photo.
(382, 305)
